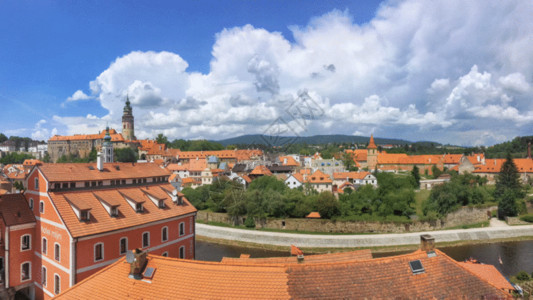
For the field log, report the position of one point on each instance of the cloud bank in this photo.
(451, 71)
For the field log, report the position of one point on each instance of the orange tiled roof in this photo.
(350, 175)
(261, 170)
(115, 136)
(452, 158)
(14, 210)
(88, 171)
(319, 177)
(489, 273)
(358, 154)
(31, 162)
(313, 215)
(290, 161)
(523, 165)
(390, 158)
(177, 167)
(309, 259)
(100, 221)
(380, 278)
(371, 144)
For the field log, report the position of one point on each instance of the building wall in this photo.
(86, 265)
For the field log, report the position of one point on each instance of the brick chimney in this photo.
(427, 243)
(137, 264)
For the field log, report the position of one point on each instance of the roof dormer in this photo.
(80, 208)
(136, 204)
(109, 205)
(159, 202)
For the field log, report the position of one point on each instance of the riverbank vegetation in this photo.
(393, 200)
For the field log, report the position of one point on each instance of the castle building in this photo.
(128, 131)
(82, 144)
(86, 216)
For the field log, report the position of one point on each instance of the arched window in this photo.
(164, 234)
(45, 246)
(25, 271)
(43, 276)
(182, 228)
(57, 252)
(25, 242)
(31, 203)
(57, 284)
(146, 239)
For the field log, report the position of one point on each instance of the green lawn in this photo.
(420, 197)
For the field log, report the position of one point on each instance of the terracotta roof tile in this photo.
(89, 172)
(350, 175)
(261, 170)
(489, 273)
(313, 215)
(381, 278)
(100, 220)
(371, 144)
(14, 210)
(308, 259)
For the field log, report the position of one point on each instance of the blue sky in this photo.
(440, 70)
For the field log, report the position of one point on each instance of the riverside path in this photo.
(360, 240)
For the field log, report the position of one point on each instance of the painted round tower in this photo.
(127, 122)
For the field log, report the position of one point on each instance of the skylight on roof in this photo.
(416, 267)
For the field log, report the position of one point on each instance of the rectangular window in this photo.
(182, 228)
(36, 183)
(57, 284)
(164, 234)
(41, 207)
(139, 207)
(57, 252)
(114, 212)
(182, 252)
(98, 252)
(25, 272)
(146, 239)
(45, 246)
(31, 203)
(43, 276)
(72, 185)
(25, 242)
(123, 245)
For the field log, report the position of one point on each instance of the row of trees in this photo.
(469, 189)
(14, 158)
(188, 145)
(269, 197)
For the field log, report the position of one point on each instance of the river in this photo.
(515, 256)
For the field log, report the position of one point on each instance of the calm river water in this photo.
(515, 256)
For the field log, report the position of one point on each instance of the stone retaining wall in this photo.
(464, 216)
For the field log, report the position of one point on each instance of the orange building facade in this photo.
(87, 217)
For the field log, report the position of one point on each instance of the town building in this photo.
(81, 145)
(88, 215)
(17, 232)
(426, 273)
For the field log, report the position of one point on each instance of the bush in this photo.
(249, 222)
(523, 276)
(527, 218)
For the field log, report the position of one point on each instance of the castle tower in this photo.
(127, 122)
(372, 154)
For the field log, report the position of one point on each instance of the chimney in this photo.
(137, 262)
(99, 162)
(529, 150)
(300, 258)
(427, 243)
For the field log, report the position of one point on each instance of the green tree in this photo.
(161, 139)
(508, 189)
(327, 205)
(3, 138)
(125, 155)
(416, 175)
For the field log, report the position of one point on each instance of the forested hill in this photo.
(517, 147)
(258, 139)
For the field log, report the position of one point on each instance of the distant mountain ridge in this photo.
(259, 139)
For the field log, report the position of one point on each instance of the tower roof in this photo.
(371, 144)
